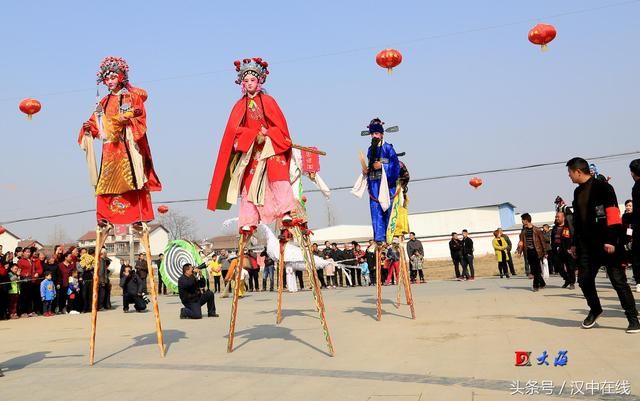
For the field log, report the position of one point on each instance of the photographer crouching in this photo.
(193, 295)
(132, 290)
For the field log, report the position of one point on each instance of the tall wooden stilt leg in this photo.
(283, 243)
(378, 283)
(236, 293)
(399, 282)
(311, 269)
(154, 292)
(101, 236)
(407, 284)
(310, 263)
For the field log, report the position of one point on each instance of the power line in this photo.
(364, 48)
(343, 188)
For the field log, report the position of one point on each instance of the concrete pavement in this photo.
(461, 347)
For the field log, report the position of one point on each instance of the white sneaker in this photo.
(74, 312)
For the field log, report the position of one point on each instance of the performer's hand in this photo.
(86, 126)
(365, 171)
(608, 248)
(377, 165)
(263, 130)
(572, 252)
(260, 138)
(124, 117)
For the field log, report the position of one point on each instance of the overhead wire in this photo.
(342, 188)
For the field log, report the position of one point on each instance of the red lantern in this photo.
(310, 161)
(162, 209)
(2, 230)
(475, 182)
(30, 107)
(389, 58)
(542, 35)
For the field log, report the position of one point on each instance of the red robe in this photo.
(239, 136)
(124, 206)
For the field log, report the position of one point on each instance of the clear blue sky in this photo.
(473, 101)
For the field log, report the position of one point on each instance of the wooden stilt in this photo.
(378, 283)
(311, 269)
(399, 281)
(236, 293)
(303, 239)
(283, 244)
(151, 283)
(101, 236)
(404, 268)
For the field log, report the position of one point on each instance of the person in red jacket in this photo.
(66, 267)
(4, 290)
(38, 276)
(29, 289)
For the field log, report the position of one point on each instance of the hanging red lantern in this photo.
(162, 209)
(475, 182)
(2, 230)
(542, 35)
(30, 107)
(389, 59)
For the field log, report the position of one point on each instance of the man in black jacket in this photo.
(598, 241)
(455, 247)
(192, 296)
(634, 166)
(560, 257)
(467, 256)
(132, 290)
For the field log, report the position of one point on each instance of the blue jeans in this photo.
(269, 271)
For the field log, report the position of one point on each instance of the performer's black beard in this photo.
(374, 152)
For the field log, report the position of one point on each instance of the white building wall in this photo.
(8, 242)
(444, 222)
(158, 241)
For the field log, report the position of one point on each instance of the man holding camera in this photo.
(132, 291)
(192, 294)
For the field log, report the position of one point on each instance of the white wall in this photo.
(158, 241)
(8, 242)
(444, 222)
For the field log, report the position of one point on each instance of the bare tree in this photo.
(178, 225)
(59, 236)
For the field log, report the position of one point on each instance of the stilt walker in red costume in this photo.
(126, 176)
(253, 165)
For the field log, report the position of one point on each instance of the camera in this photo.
(146, 298)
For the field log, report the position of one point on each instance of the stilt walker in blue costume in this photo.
(380, 175)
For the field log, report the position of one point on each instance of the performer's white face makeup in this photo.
(250, 84)
(376, 135)
(112, 81)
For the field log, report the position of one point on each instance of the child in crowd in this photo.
(292, 286)
(330, 273)
(73, 293)
(417, 261)
(14, 291)
(364, 267)
(47, 293)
